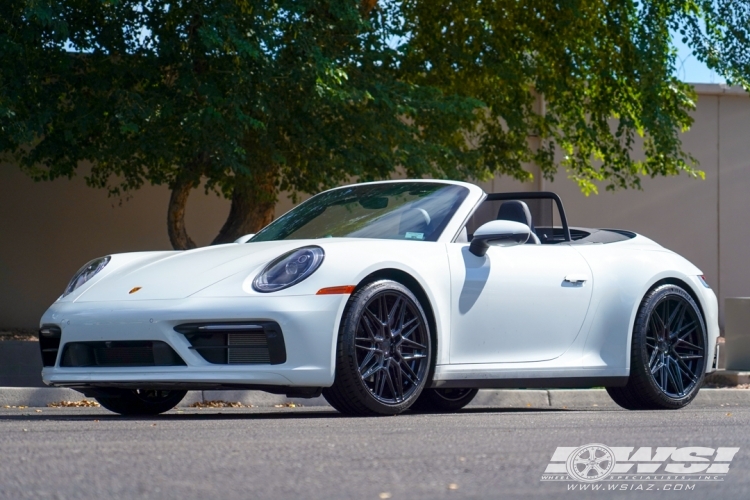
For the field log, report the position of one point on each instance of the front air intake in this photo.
(245, 343)
(49, 343)
(120, 354)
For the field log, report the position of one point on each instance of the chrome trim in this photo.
(224, 328)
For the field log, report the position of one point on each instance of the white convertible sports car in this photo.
(386, 296)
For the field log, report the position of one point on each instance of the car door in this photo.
(516, 304)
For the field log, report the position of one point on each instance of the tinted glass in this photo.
(403, 210)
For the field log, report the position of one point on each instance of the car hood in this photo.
(176, 275)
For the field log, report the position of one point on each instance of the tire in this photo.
(668, 354)
(443, 400)
(140, 402)
(383, 352)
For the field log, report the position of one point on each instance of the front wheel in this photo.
(668, 354)
(383, 352)
(140, 402)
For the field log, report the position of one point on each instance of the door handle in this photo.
(576, 278)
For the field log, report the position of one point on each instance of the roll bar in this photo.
(536, 195)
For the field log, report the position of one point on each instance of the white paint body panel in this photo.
(507, 315)
(622, 274)
(512, 305)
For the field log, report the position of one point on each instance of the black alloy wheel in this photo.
(443, 400)
(383, 353)
(668, 356)
(134, 402)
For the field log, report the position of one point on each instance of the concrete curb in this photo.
(500, 398)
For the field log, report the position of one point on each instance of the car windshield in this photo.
(398, 210)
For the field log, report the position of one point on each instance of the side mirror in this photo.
(244, 239)
(502, 233)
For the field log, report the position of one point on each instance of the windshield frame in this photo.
(464, 203)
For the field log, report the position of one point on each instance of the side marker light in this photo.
(337, 290)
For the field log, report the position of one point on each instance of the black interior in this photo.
(537, 210)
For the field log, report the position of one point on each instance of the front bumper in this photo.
(710, 306)
(309, 324)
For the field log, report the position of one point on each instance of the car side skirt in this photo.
(525, 383)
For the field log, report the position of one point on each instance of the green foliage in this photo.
(156, 91)
(323, 91)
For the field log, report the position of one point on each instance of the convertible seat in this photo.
(518, 211)
(415, 223)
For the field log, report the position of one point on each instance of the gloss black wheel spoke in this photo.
(369, 327)
(407, 371)
(675, 375)
(663, 376)
(410, 331)
(658, 363)
(653, 328)
(407, 324)
(685, 357)
(686, 330)
(685, 369)
(652, 358)
(391, 386)
(684, 344)
(380, 383)
(393, 313)
(373, 369)
(365, 362)
(674, 345)
(410, 357)
(398, 380)
(675, 317)
(392, 347)
(411, 344)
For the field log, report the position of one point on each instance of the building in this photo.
(48, 230)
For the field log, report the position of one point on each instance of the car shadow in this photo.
(249, 414)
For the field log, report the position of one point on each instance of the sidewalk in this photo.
(501, 398)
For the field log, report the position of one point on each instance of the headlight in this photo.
(86, 273)
(289, 269)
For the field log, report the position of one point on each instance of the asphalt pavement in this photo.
(315, 453)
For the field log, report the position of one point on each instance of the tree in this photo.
(258, 96)
(605, 72)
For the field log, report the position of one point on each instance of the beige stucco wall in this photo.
(48, 230)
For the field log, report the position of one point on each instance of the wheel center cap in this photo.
(385, 346)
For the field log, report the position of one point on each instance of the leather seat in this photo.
(415, 222)
(518, 211)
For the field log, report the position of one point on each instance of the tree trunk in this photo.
(253, 204)
(367, 6)
(176, 215)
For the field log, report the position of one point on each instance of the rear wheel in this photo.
(668, 354)
(140, 402)
(383, 352)
(443, 400)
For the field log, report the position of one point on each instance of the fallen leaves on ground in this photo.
(19, 334)
(219, 404)
(84, 403)
(288, 405)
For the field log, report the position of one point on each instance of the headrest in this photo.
(516, 211)
(414, 223)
